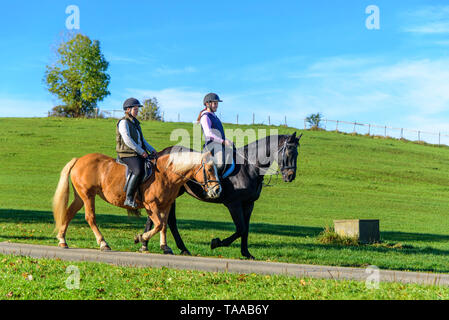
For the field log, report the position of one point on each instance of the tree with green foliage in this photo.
(78, 78)
(151, 110)
(314, 120)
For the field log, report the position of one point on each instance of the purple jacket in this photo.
(212, 127)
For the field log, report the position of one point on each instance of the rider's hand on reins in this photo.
(228, 143)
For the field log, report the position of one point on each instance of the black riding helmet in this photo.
(211, 97)
(131, 102)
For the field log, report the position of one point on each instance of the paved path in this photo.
(220, 265)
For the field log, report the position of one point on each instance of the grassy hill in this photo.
(340, 176)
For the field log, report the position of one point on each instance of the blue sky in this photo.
(273, 58)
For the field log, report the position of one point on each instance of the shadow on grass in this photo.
(26, 237)
(14, 216)
(109, 221)
(123, 221)
(398, 236)
(303, 231)
(260, 228)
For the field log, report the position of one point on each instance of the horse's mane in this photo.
(181, 158)
(254, 145)
(168, 150)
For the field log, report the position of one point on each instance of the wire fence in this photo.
(436, 138)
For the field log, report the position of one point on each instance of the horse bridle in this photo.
(205, 177)
(284, 165)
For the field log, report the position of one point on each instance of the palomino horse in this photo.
(97, 174)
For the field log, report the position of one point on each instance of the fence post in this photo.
(385, 131)
(402, 133)
(269, 123)
(237, 118)
(253, 118)
(369, 129)
(419, 136)
(336, 129)
(285, 120)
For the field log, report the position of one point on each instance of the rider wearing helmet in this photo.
(213, 131)
(132, 147)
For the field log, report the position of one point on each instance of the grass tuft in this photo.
(329, 236)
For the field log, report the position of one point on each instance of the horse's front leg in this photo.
(159, 218)
(154, 214)
(148, 226)
(172, 224)
(241, 227)
(174, 230)
(163, 240)
(247, 210)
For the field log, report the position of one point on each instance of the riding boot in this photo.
(133, 183)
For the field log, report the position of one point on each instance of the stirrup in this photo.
(130, 203)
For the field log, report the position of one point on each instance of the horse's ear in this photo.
(299, 138)
(292, 137)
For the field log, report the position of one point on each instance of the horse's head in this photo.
(207, 176)
(288, 155)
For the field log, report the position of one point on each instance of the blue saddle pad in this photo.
(229, 169)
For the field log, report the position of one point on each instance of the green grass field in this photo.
(340, 176)
(27, 278)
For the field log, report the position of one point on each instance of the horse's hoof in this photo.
(215, 243)
(143, 249)
(63, 245)
(168, 250)
(249, 256)
(138, 238)
(185, 253)
(105, 247)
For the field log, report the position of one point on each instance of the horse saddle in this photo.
(148, 165)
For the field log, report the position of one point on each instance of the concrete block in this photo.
(367, 231)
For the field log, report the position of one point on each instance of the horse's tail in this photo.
(61, 197)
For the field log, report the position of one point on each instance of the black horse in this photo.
(243, 187)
